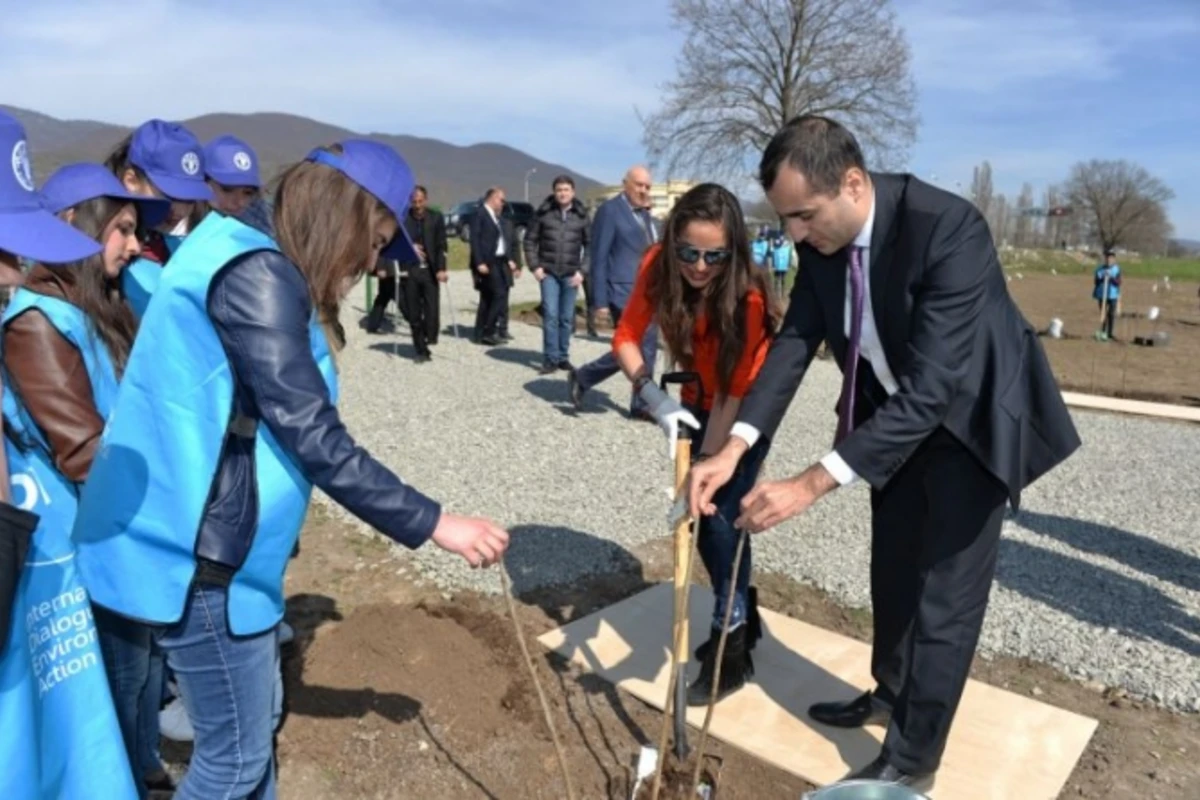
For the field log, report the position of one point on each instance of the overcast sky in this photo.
(1031, 85)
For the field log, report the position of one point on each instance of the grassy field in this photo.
(1070, 263)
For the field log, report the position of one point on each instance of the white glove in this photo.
(667, 412)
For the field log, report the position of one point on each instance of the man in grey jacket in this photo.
(556, 250)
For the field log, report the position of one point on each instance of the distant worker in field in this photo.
(782, 256)
(760, 249)
(1107, 291)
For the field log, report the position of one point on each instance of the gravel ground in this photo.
(1099, 573)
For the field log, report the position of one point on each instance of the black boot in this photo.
(753, 622)
(736, 667)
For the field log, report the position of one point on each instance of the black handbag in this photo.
(16, 532)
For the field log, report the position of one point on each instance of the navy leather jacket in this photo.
(260, 307)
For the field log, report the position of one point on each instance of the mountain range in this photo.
(452, 173)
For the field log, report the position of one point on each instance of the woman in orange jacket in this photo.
(717, 316)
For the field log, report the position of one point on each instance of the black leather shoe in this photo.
(866, 709)
(881, 770)
(575, 390)
(547, 369)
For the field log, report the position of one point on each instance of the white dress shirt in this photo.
(500, 238)
(870, 348)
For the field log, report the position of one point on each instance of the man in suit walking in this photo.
(427, 230)
(493, 246)
(948, 410)
(387, 272)
(621, 232)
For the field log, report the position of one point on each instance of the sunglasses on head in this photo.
(690, 255)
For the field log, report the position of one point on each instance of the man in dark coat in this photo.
(427, 230)
(493, 265)
(556, 250)
(948, 410)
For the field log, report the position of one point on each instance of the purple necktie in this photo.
(850, 367)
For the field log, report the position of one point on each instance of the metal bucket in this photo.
(865, 790)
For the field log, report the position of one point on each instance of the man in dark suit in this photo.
(387, 273)
(427, 230)
(493, 247)
(948, 410)
(621, 232)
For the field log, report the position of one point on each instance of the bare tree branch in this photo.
(747, 67)
(1120, 201)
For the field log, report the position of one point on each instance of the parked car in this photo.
(458, 221)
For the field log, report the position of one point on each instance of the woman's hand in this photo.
(480, 541)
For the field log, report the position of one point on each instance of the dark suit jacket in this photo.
(618, 242)
(433, 240)
(484, 237)
(963, 355)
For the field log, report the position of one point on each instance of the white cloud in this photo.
(353, 64)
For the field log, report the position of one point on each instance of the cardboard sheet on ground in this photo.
(1003, 746)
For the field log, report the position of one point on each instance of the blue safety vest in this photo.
(759, 249)
(138, 281)
(782, 256)
(144, 501)
(1114, 289)
(59, 735)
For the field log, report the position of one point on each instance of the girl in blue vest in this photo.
(60, 736)
(231, 167)
(225, 421)
(65, 385)
(160, 160)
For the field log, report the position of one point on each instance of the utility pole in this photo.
(527, 174)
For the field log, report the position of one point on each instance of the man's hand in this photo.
(482, 269)
(443, 276)
(576, 280)
(602, 315)
(514, 268)
(420, 248)
(708, 476)
(479, 541)
(772, 502)
(381, 273)
(540, 274)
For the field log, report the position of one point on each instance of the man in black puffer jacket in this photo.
(556, 247)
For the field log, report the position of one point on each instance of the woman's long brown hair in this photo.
(723, 301)
(97, 295)
(324, 223)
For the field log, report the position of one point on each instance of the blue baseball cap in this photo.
(172, 158)
(231, 162)
(76, 183)
(26, 228)
(384, 173)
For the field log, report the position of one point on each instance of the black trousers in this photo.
(385, 295)
(493, 299)
(935, 531)
(421, 302)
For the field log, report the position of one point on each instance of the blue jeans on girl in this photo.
(229, 685)
(718, 538)
(135, 681)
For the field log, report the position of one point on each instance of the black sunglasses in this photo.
(690, 255)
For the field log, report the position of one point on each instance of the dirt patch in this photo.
(1118, 368)
(393, 691)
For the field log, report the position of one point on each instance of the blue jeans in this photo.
(126, 646)
(149, 759)
(596, 372)
(229, 685)
(718, 538)
(558, 318)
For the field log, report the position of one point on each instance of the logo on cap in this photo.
(241, 160)
(190, 163)
(20, 166)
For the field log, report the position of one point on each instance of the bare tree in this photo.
(1023, 236)
(747, 67)
(1116, 197)
(981, 188)
(1151, 234)
(1001, 216)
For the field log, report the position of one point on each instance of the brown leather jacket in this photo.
(51, 379)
